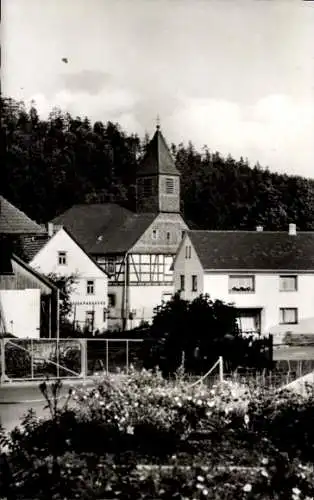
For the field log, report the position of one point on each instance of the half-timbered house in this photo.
(135, 248)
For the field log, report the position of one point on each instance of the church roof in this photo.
(158, 159)
(104, 228)
(14, 221)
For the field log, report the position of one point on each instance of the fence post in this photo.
(32, 359)
(221, 369)
(127, 356)
(2, 341)
(58, 358)
(83, 343)
(107, 361)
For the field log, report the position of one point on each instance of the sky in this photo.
(235, 75)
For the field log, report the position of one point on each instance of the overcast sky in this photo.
(235, 75)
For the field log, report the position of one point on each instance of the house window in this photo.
(194, 283)
(147, 187)
(111, 266)
(169, 185)
(288, 283)
(182, 234)
(168, 236)
(288, 315)
(188, 252)
(90, 287)
(182, 282)
(62, 258)
(111, 299)
(241, 284)
(105, 315)
(155, 234)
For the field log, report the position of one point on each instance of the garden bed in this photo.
(144, 437)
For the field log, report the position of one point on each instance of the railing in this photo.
(37, 359)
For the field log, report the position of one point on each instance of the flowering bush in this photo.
(226, 442)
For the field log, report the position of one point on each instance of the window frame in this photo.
(282, 320)
(90, 285)
(239, 277)
(112, 303)
(182, 282)
(283, 276)
(62, 254)
(188, 251)
(194, 284)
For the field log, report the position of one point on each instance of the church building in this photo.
(136, 249)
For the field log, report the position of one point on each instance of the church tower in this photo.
(157, 179)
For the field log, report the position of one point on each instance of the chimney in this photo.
(259, 229)
(50, 229)
(292, 229)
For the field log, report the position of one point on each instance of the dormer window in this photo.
(147, 186)
(62, 258)
(169, 185)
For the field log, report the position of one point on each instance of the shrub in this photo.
(93, 445)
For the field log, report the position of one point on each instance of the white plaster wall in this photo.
(188, 267)
(145, 298)
(79, 264)
(21, 310)
(266, 296)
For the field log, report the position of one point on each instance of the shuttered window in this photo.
(169, 185)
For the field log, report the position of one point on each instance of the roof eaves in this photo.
(35, 273)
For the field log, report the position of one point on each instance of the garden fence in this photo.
(36, 359)
(254, 379)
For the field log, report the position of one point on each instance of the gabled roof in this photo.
(252, 250)
(32, 246)
(14, 221)
(104, 228)
(157, 160)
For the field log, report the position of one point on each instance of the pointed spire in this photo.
(158, 159)
(158, 122)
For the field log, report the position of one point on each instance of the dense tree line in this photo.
(49, 165)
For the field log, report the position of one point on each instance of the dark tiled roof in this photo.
(158, 159)
(104, 228)
(32, 245)
(14, 221)
(254, 250)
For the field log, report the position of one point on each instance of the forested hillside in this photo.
(51, 164)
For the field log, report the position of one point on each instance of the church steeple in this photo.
(158, 180)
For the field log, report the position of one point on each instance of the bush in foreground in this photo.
(94, 446)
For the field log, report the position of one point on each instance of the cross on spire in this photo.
(158, 122)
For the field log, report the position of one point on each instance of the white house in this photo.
(62, 255)
(28, 301)
(268, 276)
